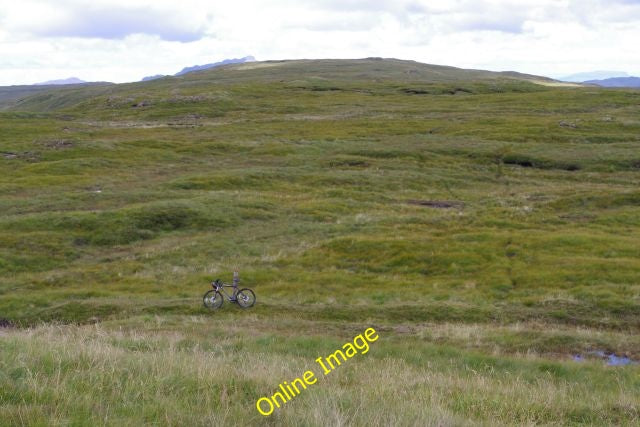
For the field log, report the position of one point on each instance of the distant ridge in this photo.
(317, 75)
(69, 81)
(617, 82)
(215, 64)
(157, 76)
(203, 67)
(592, 75)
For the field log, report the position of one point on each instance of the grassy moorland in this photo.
(486, 224)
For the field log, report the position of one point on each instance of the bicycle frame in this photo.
(219, 286)
(215, 297)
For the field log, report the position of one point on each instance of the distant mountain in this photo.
(202, 67)
(592, 75)
(157, 76)
(69, 81)
(215, 64)
(617, 82)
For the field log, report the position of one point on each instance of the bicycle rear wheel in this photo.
(245, 298)
(212, 299)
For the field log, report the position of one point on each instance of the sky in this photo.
(125, 40)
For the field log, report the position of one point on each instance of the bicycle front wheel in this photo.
(245, 298)
(212, 299)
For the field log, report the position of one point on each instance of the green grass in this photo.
(304, 176)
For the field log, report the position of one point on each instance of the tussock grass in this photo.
(188, 369)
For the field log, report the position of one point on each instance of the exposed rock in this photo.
(566, 124)
(58, 143)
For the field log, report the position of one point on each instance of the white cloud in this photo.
(69, 18)
(120, 40)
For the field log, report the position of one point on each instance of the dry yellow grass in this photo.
(189, 370)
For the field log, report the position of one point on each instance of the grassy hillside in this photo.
(12, 95)
(206, 89)
(486, 225)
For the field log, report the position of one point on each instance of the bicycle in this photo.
(214, 298)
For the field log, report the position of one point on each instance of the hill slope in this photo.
(319, 75)
(12, 96)
(486, 226)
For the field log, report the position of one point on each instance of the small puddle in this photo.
(611, 358)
